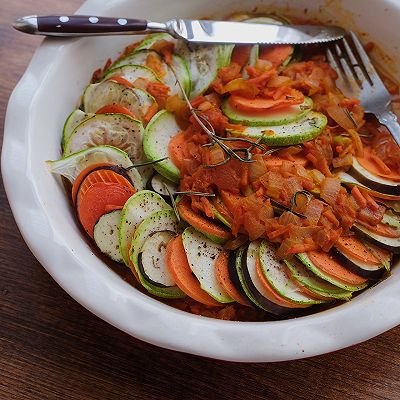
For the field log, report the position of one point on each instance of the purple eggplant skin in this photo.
(364, 235)
(142, 271)
(265, 303)
(377, 186)
(356, 269)
(233, 275)
(149, 186)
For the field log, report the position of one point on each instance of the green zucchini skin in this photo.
(164, 220)
(118, 130)
(159, 131)
(202, 253)
(138, 207)
(287, 134)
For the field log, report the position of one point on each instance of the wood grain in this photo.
(52, 348)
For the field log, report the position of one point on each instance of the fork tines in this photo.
(351, 62)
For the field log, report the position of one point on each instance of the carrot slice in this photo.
(353, 247)
(222, 274)
(330, 266)
(275, 54)
(175, 149)
(121, 80)
(103, 175)
(241, 55)
(92, 203)
(382, 229)
(179, 268)
(115, 109)
(260, 105)
(201, 223)
(275, 297)
(82, 175)
(375, 165)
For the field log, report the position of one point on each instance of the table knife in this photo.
(196, 31)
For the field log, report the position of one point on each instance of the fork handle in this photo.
(389, 119)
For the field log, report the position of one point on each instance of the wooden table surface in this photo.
(53, 348)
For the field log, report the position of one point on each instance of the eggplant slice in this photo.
(373, 181)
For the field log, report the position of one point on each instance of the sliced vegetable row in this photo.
(175, 251)
(138, 227)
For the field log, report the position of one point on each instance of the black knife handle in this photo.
(88, 24)
(78, 25)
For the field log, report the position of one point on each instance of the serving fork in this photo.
(358, 78)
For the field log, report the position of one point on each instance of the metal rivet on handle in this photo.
(93, 20)
(122, 21)
(63, 19)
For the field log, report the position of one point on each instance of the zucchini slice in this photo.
(118, 130)
(204, 62)
(167, 75)
(202, 254)
(152, 259)
(164, 220)
(278, 275)
(131, 72)
(71, 166)
(98, 95)
(246, 258)
(392, 219)
(386, 260)
(203, 224)
(151, 39)
(278, 117)
(220, 217)
(288, 134)
(305, 260)
(72, 121)
(105, 235)
(159, 131)
(314, 283)
(140, 206)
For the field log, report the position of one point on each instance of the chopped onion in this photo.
(330, 188)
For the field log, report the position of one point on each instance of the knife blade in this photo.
(195, 31)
